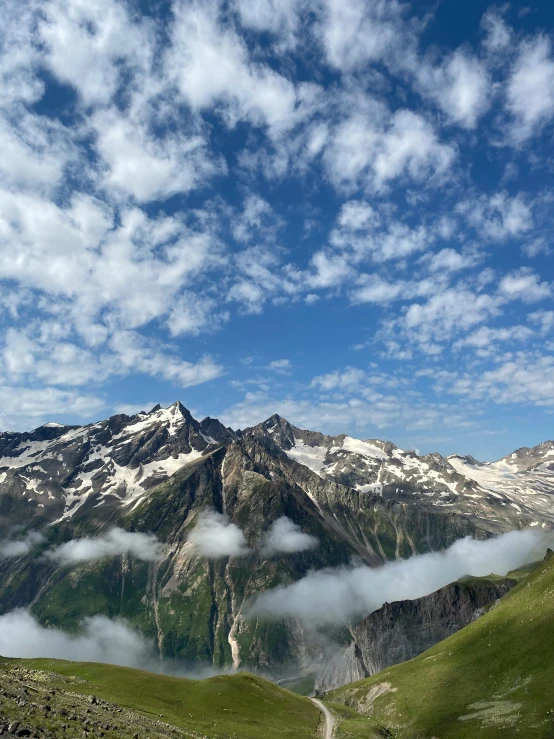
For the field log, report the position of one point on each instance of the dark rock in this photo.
(401, 630)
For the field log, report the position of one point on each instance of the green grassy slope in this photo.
(492, 679)
(222, 707)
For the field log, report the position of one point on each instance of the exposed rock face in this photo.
(515, 491)
(157, 470)
(402, 630)
(50, 473)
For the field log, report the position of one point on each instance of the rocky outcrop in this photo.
(401, 630)
(156, 471)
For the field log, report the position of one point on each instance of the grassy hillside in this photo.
(132, 703)
(492, 679)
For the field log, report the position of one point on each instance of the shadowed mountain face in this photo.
(518, 490)
(155, 472)
(402, 630)
(50, 473)
(490, 679)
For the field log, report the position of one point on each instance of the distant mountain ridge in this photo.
(58, 468)
(516, 490)
(55, 469)
(156, 472)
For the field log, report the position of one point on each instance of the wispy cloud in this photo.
(18, 547)
(286, 537)
(215, 536)
(340, 595)
(115, 542)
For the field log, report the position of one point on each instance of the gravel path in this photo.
(329, 720)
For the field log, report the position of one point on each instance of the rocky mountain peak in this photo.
(278, 429)
(216, 432)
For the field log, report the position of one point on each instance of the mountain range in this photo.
(366, 501)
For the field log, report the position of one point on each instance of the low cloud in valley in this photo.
(19, 547)
(349, 593)
(116, 541)
(215, 536)
(285, 537)
(99, 639)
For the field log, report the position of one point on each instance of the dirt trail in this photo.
(329, 720)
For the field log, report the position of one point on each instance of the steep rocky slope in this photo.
(48, 474)
(401, 630)
(513, 492)
(491, 679)
(157, 471)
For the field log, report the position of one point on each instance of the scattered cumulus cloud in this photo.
(115, 542)
(170, 177)
(286, 537)
(281, 366)
(215, 536)
(18, 547)
(530, 90)
(460, 86)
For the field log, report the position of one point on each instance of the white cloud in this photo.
(99, 639)
(191, 314)
(38, 153)
(450, 260)
(148, 166)
(26, 407)
(357, 215)
(450, 310)
(280, 17)
(347, 594)
(524, 285)
(286, 537)
(535, 247)
(374, 289)
(256, 218)
(372, 151)
(486, 339)
(400, 241)
(327, 270)
(18, 547)
(498, 216)
(55, 358)
(525, 379)
(460, 86)
(355, 32)
(261, 277)
(79, 254)
(91, 45)
(355, 403)
(18, 82)
(544, 319)
(498, 34)
(115, 542)
(214, 536)
(530, 93)
(347, 379)
(211, 64)
(250, 295)
(281, 366)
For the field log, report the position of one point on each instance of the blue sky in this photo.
(338, 210)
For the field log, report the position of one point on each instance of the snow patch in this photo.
(312, 457)
(363, 448)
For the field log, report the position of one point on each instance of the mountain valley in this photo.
(156, 472)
